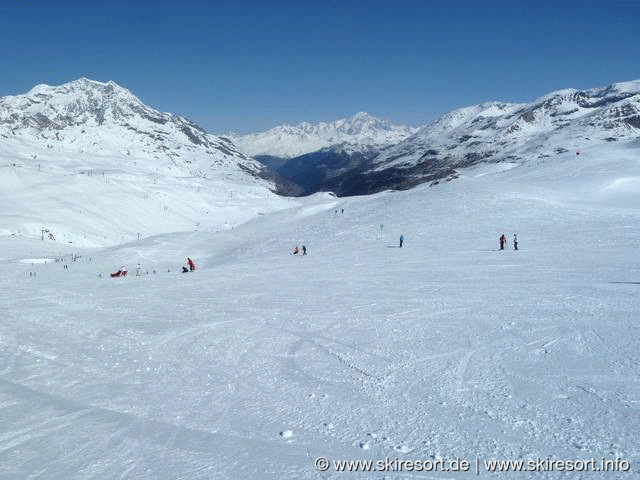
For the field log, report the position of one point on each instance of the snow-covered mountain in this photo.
(566, 120)
(309, 155)
(359, 132)
(89, 117)
(94, 146)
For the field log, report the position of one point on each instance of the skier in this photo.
(185, 269)
(120, 273)
(515, 241)
(503, 241)
(295, 250)
(192, 266)
(401, 240)
(304, 250)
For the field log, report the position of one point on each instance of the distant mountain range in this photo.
(378, 156)
(103, 125)
(309, 154)
(351, 134)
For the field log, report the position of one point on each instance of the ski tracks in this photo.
(77, 423)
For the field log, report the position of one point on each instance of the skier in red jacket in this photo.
(192, 266)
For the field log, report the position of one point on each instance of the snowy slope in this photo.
(350, 134)
(91, 163)
(260, 362)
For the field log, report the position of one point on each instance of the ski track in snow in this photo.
(260, 361)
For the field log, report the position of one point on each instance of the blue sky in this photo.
(248, 65)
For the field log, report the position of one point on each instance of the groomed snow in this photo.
(260, 361)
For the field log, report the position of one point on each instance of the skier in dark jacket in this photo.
(515, 241)
(503, 241)
(401, 240)
(304, 250)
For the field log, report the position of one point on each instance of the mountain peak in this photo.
(359, 131)
(86, 117)
(80, 84)
(362, 116)
(594, 96)
(86, 82)
(360, 122)
(79, 102)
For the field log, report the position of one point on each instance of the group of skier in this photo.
(192, 266)
(503, 241)
(123, 272)
(296, 250)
